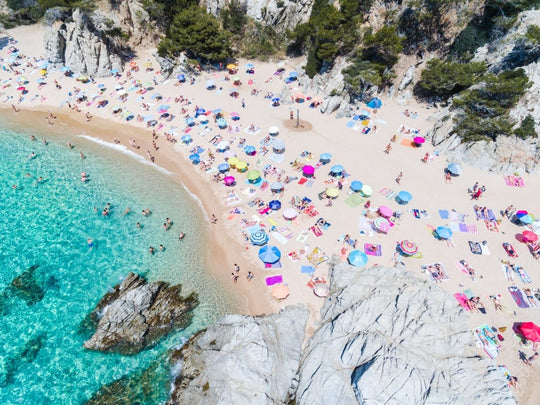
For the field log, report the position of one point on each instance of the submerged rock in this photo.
(136, 314)
(27, 354)
(242, 360)
(28, 286)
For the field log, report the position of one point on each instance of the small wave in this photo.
(197, 200)
(126, 151)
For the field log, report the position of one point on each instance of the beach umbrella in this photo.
(278, 146)
(250, 65)
(325, 157)
(274, 131)
(235, 116)
(203, 119)
(332, 192)
(308, 170)
(375, 103)
(275, 102)
(356, 185)
(419, 140)
(521, 213)
(274, 205)
(293, 74)
(231, 66)
(529, 236)
(277, 186)
(454, 169)
(253, 175)
(195, 157)
(223, 167)
(241, 166)
(407, 247)
(366, 190)
(186, 139)
(190, 121)
(526, 219)
(357, 258)
(321, 290)
(250, 150)
(336, 170)
(259, 237)
(280, 291)
(210, 85)
(530, 331)
(403, 197)
(200, 111)
(385, 211)
(381, 224)
(269, 254)
(229, 180)
(290, 213)
(181, 78)
(443, 232)
(233, 161)
(222, 123)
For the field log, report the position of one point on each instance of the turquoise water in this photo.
(47, 224)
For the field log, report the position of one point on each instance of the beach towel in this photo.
(408, 142)
(430, 269)
(279, 237)
(309, 183)
(314, 281)
(286, 232)
(425, 214)
(468, 293)
(391, 194)
(491, 225)
(416, 213)
(302, 180)
(509, 249)
(518, 297)
(514, 181)
(454, 226)
(522, 274)
(490, 347)
(454, 216)
(461, 267)
(274, 280)
(307, 269)
(354, 200)
(508, 272)
(316, 230)
(463, 301)
(475, 248)
(462, 227)
(317, 257)
(472, 229)
(350, 124)
(368, 248)
(485, 249)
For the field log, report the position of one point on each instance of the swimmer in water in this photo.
(181, 236)
(151, 250)
(32, 155)
(90, 242)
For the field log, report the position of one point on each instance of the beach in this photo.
(323, 227)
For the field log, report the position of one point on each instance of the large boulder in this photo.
(387, 337)
(81, 46)
(242, 360)
(136, 314)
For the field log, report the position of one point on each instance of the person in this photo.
(165, 226)
(90, 242)
(214, 219)
(151, 250)
(161, 247)
(388, 149)
(234, 278)
(138, 225)
(448, 177)
(367, 204)
(127, 211)
(497, 302)
(531, 359)
(291, 115)
(508, 211)
(236, 268)
(398, 178)
(181, 236)
(32, 155)
(70, 146)
(249, 276)
(513, 381)
(82, 155)
(425, 158)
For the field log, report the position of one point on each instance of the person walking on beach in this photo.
(388, 149)
(236, 268)
(214, 219)
(398, 178)
(249, 276)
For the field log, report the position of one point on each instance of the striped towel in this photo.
(517, 295)
(472, 229)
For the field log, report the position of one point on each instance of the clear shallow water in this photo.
(41, 355)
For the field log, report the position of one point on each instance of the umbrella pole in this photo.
(297, 118)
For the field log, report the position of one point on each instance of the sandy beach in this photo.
(321, 227)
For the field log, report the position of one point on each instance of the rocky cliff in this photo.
(136, 314)
(385, 337)
(282, 15)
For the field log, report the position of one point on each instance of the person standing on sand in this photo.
(249, 276)
(398, 178)
(388, 149)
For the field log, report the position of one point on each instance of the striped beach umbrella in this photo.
(259, 238)
(407, 247)
(381, 224)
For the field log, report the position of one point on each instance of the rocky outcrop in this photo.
(136, 314)
(385, 337)
(282, 15)
(242, 360)
(81, 45)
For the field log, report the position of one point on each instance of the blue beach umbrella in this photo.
(269, 254)
(356, 185)
(200, 111)
(64, 69)
(181, 78)
(526, 219)
(223, 167)
(190, 121)
(250, 65)
(274, 205)
(249, 149)
(375, 103)
(259, 238)
(325, 157)
(222, 123)
(403, 197)
(195, 158)
(443, 232)
(454, 169)
(186, 139)
(293, 74)
(357, 258)
(210, 85)
(275, 100)
(336, 169)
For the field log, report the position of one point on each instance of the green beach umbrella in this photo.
(253, 175)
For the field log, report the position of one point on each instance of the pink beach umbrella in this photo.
(229, 180)
(419, 140)
(308, 170)
(529, 236)
(385, 211)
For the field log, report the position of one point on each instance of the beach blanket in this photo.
(286, 232)
(518, 297)
(368, 248)
(316, 230)
(307, 269)
(387, 192)
(514, 181)
(317, 257)
(435, 274)
(463, 301)
(509, 249)
(252, 130)
(354, 200)
(491, 225)
(483, 335)
(475, 248)
(461, 265)
(508, 272)
(472, 229)
(279, 237)
(522, 274)
(490, 215)
(274, 280)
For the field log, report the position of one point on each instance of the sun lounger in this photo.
(518, 297)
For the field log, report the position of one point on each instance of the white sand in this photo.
(363, 158)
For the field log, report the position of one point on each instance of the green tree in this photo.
(533, 34)
(197, 33)
(234, 17)
(383, 47)
(526, 129)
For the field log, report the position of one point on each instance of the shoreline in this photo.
(247, 297)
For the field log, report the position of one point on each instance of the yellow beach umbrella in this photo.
(332, 192)
(233, 161)
(43, 72)
(241, 166)
(231, 66)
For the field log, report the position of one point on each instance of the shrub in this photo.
(533, 34)
(526, 129)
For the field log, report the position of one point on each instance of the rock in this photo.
(26, 354)
(408, 78)
(387, 337)
(136, 314)
(242, 360)
(331, 104)
(282, 15)
(81, 46)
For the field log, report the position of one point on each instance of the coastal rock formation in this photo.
(282, 15)
(136, 314)
(385, 336)
(242, 360)
(81, 45)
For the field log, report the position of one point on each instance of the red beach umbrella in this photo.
(21, 88)
(529, 236)
(530, 331)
